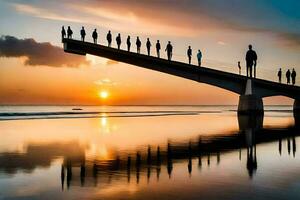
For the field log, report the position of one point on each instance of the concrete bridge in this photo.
(251, 91)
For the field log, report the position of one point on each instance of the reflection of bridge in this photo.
(251, 91)
(145, 162)
(79, 170)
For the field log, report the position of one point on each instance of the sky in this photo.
(35, 70)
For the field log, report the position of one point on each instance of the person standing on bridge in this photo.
(199, 57)
(148, 45)
(69, 32)
(138, 45)
(240, 68)
(63, 32)
(82, 33)
(251, 61)
(118, 40)
(189, 54)
(95, 36)
(293, 75)
(158, 48)
(288, 76)
(169, 50)
(279, 74)
(128, 43)
(109, 38)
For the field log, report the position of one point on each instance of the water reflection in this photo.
(148, 161)
(145, 160)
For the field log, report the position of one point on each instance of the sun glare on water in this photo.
(103, 94)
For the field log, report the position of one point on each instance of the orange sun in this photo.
(103, 94)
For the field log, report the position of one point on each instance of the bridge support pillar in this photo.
(250, 104)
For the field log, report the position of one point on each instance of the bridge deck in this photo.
(229, 81)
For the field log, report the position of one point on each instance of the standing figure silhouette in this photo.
(199, 57)
(158, 48)
(251, 61)
(82, 33)
(128, 43)
(95, 36)
(240, 68)
(189, 54)
(288, 76)
(109, 38)
(63, 32)
(279, 74)
(138, 45)
(148, 45)
(118, 40)
(169, 50)
(69, 32)
(293, 75)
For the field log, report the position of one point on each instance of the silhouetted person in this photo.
(69, 32)
(109, 38)
(128, 43)
(138, 45)
(251, 61)
(189, 54)
(169, 50)
(148, 45)
(240, 68)
(63, 32)
(279, 74)
(118, 40)
(288, 76)
(199, 57)
(82, 33)
(293, 75)
(158, 48)
(95, 36)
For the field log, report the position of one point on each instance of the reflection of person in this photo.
(95, 36)
(82, 33)
(138, 45)
(239, 66)
(251, 61)
(199, 57)
(189, 54)
(293, 75)
(109, 38)
(148, 45)
(279, 74)
(158, 48)
(128, 43)
(169, 50)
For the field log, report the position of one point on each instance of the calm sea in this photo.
(148, 152)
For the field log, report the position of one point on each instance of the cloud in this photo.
(36, 53)
(187, 18)
(105, 82)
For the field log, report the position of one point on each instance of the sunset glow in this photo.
(103, 94)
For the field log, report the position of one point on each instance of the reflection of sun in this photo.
(103, 94)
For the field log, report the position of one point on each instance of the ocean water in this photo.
(148, 152)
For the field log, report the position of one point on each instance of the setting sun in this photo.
(103, 94)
